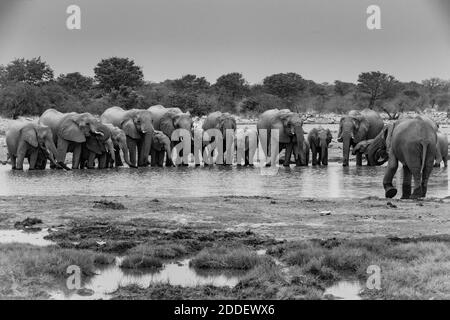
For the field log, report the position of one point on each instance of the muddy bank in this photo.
(276, 217)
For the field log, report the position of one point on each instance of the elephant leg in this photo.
(406, 186)
(132, 148)
(314, 154)
(391, 169)
(21, 152)
(153, 157)
(438, 157)
(288, 154)
(319, 157)
(102, 160)
(425, 176)
(325, 158)
(160, 158)
(61, 152)
(417, 176)
(359, 159)
(445, 161)
(13, 162)
(76, 156)
(91, 160)
(32, 160)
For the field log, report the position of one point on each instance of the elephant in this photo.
(223, 122)
(29, 140)
(412, 141)
(119, 142)
(167, 120)
(319, 140)
(70, 131)
(290, 128)
(161, 146)
(355, 127)
(442, 149)
(138, 127)
(98, 147)
(362, 148)
(300, 154)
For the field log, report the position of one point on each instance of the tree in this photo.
(34, 71)
(114, 73)
(75, 82)
(343, 88)
(434, 87)
(284, 85)
(232, 84)
(377, 86)
(191, 82)
(19, 99)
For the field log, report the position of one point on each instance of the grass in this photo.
(162, 251)
(137, 261)
(25, 270)
(226, 258)
(409, 270)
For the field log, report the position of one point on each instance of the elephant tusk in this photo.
(143, 131)
(99, 133)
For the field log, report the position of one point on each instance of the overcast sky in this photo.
(322, 40)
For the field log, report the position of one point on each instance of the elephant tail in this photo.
(424, 156)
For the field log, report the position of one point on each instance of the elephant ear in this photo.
(167, 124)
(29, 135)
(284, 116)
(130, 129)
(70, 131)
(329, 136)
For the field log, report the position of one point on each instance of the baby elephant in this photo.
(362, 148)
(319, 139)
(441, 149)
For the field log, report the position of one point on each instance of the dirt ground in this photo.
(290, 219)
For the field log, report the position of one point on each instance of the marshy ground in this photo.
(267, 247)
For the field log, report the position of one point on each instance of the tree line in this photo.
(29, 86)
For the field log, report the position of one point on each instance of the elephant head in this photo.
(99, 143)
(362, 147)
(174, 119)
(137, 123)
(352, 129)
(226, 122)
(293, 128)
(45, 141)
(324, 138)
(161, 142)
(76, 127)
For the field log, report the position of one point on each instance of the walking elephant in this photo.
(319, 140)
(356, 127)
(138, 127)
(412, 141)
(70, 131)
(28, 140)
(167, 120)
(290, 127)
(161, 147)
(223, 122)
(441, 149)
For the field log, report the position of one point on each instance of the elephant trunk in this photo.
(324, 153)
(347, 142)
(145, 149)
(377, 152)
(126, 154)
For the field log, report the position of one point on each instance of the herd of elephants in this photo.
(140, 134)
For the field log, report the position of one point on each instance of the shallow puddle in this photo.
(109, 279)
(25, 237)
(345, 290)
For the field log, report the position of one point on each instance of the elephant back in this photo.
(265, 120)
(114, 116)
(51, 118)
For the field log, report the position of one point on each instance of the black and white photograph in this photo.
(224, 155)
